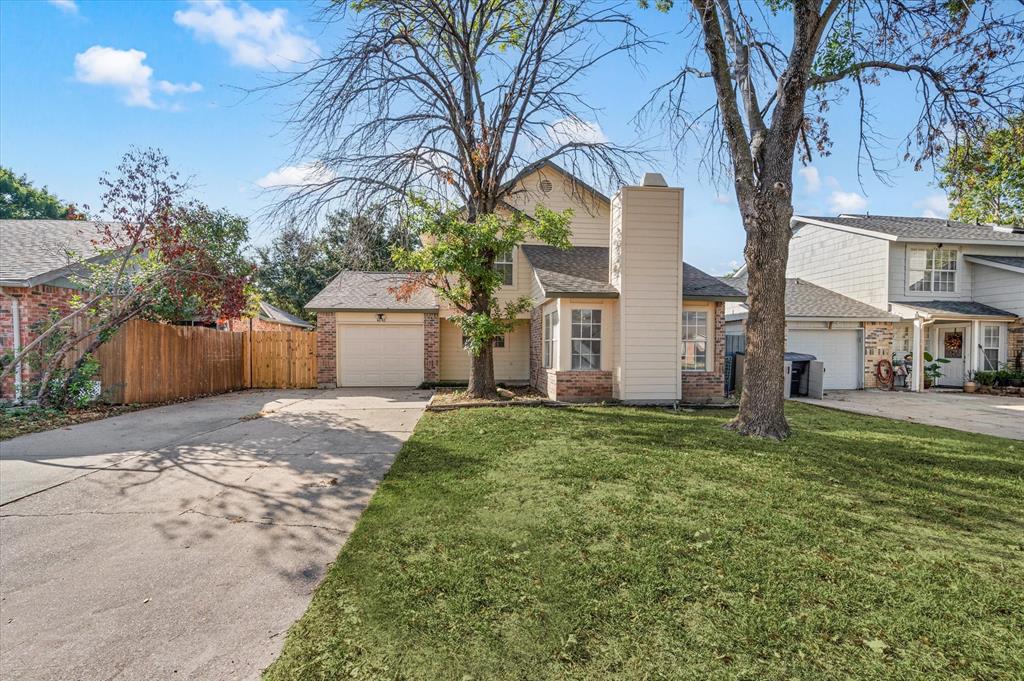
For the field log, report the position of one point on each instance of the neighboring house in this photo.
(37, 260)
(618, 315)
(267, 318)
(838, 330)
(956, 288)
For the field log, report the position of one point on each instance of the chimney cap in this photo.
(653, 180)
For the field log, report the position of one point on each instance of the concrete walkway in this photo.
(986, 414)
(181, 542)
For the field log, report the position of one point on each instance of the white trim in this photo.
(890, 237)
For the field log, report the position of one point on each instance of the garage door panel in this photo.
(839, 349)
(371, 355)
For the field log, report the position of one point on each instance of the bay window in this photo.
(586, 340)
(550, 339)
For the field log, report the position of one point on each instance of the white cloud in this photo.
(125, 70)
(812, 179)
(67, 6)
(847, 202)
(252, 38)
(723, 199)
(569, 130)
(295, 176)
(933, 206)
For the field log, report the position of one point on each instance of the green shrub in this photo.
(985, 377)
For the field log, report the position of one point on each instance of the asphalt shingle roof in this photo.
(370, 291)
(1012, 261)
(923, 229)
(32, 249)
(960, 308)
(804, 299)
(583, 270)
(276, 314)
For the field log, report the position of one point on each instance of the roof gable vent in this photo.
(653, 180)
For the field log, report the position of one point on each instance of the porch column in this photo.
(917, 375)
(975, 342)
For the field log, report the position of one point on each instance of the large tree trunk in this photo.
(481, 374)
(761, 404)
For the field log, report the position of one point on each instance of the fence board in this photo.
(280, 359)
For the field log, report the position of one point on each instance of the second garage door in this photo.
(380, 355)
(839, 349)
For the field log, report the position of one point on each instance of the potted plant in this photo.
(969, 385)
(933, 370)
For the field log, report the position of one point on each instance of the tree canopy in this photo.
(21, 200)
(985, 176)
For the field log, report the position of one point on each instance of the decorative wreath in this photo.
(954, 342)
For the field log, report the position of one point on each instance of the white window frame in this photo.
(708, 341)
(506, 264)
(499, 341)
(583, 331)
(550, 340)
(929, 278)
(986, 346)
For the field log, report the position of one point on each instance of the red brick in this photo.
(326, 349)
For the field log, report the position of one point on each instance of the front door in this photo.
(952, 346)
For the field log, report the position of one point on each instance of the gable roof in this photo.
(897, 228)
(276, 314)
(38, 251)
(369, 291)
(1003, 262)
(583, 271)
(547, 163)
(810, 301)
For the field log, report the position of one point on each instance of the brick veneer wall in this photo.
(702, 387)
(326, 350)
(538, 375)
(34, 304)
(581, 386)
(1015, 340)
(431, 347)
(878, 339)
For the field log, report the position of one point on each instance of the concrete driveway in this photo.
(986, 414)
(181, 542)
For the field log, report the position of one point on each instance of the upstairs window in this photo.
(503, 265)
(586, 340)
(695, 340)
(932, 270)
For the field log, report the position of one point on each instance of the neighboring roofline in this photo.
(892, 237)
(47, 277)
(980, 260)
(371, 309)
(724, 299)
(271, 320)
(739, 316)
(589, 294)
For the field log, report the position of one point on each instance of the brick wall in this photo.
(580, 386)
(431, 347)
(326, 350)
(34, 304)
(878, 339)
(1015, 341)
(702, 387)
(538, 375)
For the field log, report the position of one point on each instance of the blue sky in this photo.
(82, 81)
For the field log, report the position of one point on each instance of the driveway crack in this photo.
(240, 519)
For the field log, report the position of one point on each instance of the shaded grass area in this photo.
(639, 544)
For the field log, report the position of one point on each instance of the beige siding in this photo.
(511, 363)
(851, 264)
(648, 365)
(590, 213)
(999, 288)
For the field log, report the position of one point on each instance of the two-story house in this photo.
(954, 290)
(617, 315)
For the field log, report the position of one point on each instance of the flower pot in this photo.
(927, 383)
(970, 387)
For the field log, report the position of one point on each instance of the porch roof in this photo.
(952, 309)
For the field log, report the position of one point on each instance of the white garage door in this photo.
(839, 349)
(380, 355)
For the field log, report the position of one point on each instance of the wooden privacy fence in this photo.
(148, 362)
(280, 359)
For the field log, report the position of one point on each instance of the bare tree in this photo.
(455, 101)
(777, 66)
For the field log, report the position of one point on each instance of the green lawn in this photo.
(600, 543)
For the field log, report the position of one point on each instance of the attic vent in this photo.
(545, 185)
